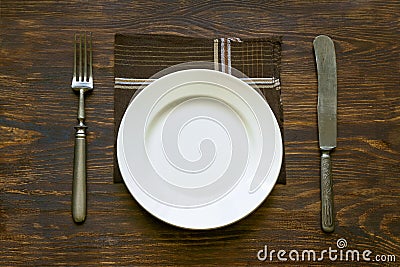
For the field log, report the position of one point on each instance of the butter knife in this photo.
(327, 108)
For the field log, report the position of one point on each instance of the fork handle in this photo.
(79, 179)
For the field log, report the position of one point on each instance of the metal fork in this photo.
(82, 82)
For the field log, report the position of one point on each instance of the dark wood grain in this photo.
(38, 111)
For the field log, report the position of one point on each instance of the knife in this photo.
(327, 105)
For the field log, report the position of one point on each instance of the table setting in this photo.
(182, 145)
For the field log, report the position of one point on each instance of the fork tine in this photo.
(80, 58)
(85, 62)
(90, 57)
(75, 55)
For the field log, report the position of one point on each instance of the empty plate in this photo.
(199, 149)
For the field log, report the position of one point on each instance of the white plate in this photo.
(199, 149)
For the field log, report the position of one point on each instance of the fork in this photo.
(82, 82)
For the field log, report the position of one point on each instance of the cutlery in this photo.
(327, 105)
(82, 82)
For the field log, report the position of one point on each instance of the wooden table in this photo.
(38, 110)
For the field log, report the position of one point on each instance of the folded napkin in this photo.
(138, 57)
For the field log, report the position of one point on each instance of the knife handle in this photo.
(79, 179)
(327, 217)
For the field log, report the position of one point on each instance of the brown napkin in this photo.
(138, 57)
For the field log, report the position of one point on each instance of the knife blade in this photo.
(327, 122)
